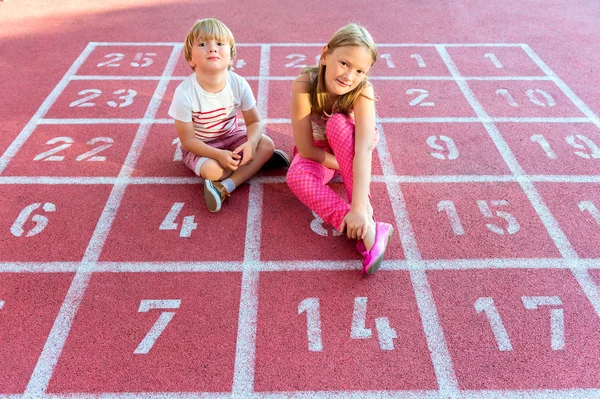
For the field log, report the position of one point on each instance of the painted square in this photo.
(518, 329)
(420, 99)
(475, 220)
(29, 303)
(333, 331)
(115, 346)
(314, 239)
(576, 207)
(171, 223)
(422, 149)
(74, 150)
(48, 223)
(493, 61)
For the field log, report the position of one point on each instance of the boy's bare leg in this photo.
(263, 153)
(212, 170)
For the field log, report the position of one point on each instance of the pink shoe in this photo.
(374, 257)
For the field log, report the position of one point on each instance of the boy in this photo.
(205, 107)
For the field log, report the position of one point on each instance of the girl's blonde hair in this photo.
(350, 35)
(207, 29)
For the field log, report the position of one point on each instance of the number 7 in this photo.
(159, 326)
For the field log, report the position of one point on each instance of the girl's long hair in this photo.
(350, 35)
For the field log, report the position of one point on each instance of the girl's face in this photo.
(345, 68)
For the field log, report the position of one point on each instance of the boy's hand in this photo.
(229, 160)
(246, 151)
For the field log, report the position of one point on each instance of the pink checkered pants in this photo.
(308, 179)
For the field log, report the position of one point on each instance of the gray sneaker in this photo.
(279, 159)
(215, 194)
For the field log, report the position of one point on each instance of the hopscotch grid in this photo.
(252, 265)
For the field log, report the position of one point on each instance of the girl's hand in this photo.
(355, 223)
(246, 151)
(229, 160)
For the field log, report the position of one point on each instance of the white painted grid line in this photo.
(440, 355)
(287, 77)
(17, 143)
(268, 121)
(299, 265)
(51, 352)
(245, 351)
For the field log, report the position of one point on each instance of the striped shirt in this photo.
(214, 115)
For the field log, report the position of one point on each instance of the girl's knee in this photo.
(212, 170)
(339, 121)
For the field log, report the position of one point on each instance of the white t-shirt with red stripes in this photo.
(214, 114)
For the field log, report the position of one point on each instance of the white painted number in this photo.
(187, 226)
(82, 102)
(557, 317)
(546, 101)
(533, 96)
(579, 142)
(239, 64)
(486, 305)
(419, 59)
(49, 155)
(591, 208)
(145, 57)
(423, 94)
(512, 225)
(594, 151)
(388, 60)
(317, 226)
(140, 60)
(178, 154)
(541, 140)
(508, 96)
(448, 147)
(492, 57)
(40, 221)
(448, 207)
(86, 156)
(297, 61)
(311, 306)
(113, 61)
(126, 97)
(557, 320)
(313, 323)
(159, 326)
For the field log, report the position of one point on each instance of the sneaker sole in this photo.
(375, 266)
(212, 197)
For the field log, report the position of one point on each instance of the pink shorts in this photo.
(228, 142)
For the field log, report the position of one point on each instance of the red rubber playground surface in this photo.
(115, 281)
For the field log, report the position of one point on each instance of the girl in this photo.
(333, 120)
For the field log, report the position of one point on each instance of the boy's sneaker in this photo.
(279, 159)
(215, 194)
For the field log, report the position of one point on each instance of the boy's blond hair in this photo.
(352, 35)
(206, 29)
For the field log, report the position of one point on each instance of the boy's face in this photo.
(345, 68)
(210, 55)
